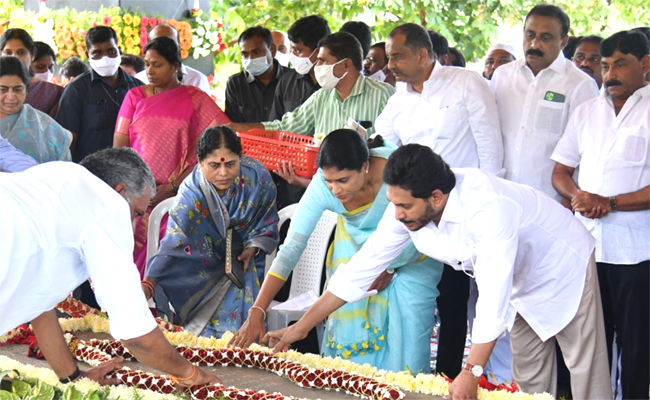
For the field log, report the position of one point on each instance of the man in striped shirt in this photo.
(345, 93)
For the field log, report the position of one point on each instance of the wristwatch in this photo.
(476, 370)
(612, 203)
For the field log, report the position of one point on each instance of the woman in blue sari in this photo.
(391, 330)
(225, 190)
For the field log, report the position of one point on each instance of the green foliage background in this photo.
(470, 25)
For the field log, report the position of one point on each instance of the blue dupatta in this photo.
(190, 262)
(390, 330)
(37, 134)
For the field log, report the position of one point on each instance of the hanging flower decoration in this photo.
(70, 40)
(207, 38)
(131, 29)
(184, 35)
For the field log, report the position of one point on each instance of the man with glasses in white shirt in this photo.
(536, 95)
(532, 261)
(609, 138)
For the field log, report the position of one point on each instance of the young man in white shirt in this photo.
(62, 224)
(536, 95)
(609, 138)
(532, 261)
(191, 76)
(452, 111)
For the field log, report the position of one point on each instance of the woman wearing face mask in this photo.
(42, 95)
(225, 190)
(390, 330)
(27, 129)
(162, 121)
(43, 62)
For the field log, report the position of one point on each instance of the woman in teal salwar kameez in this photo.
(390, 330)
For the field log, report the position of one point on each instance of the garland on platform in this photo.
(306, 370)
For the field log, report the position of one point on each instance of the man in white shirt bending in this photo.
(63, 223)
(536, 95)
(191, 76)
(532, 261)
(448, 109)
(609, 138)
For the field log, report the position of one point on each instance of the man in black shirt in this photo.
(296, 85)
(89, 105)
(249, 94)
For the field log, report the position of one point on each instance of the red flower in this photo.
(144, 21)
(107, 20)
(94, 24)
(160, 21)
(152, 22)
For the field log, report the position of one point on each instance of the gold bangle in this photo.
(258, 308)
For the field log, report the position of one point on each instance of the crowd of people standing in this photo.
(516, 200)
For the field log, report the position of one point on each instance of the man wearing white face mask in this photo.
(249, 94)
(90, 104)
(298, 84)
(345, 94)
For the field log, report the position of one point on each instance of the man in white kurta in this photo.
(609, 138)
(532, 261)
(62, 224)
(535, 97)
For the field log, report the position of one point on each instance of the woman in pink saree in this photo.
(163, 121)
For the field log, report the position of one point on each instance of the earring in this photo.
(368, 170)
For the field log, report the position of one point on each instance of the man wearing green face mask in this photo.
(249, 94)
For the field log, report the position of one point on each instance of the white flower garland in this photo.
(84, 385)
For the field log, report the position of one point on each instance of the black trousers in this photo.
(624, 290)
(452, 309)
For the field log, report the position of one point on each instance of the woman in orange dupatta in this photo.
(163, 121)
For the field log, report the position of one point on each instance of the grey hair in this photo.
(121, 165)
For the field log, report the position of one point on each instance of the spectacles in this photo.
(370, 60)
(591, 60)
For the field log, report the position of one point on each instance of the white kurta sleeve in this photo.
(484, 123)
(384, 124)
(107, 252)
(495, 231)
(567, 151)
(352, 280)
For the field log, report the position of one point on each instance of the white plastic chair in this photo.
(308, 272)
(153, 234)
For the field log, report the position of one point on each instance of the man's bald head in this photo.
(165, 30)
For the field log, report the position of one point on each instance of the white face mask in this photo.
(106, 66)
(256, 66)
(44, 76)
(325, 75)
(302, 65)
(283, 58)
(379, 76)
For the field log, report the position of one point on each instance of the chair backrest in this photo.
(308, 272)
(156, 216)
(284, 215)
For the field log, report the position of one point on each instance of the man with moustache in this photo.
(587, 57)
(375, 65)
(609, 138)
(532, 261)
(536, 95)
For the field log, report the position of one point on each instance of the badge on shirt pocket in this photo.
(554, 97)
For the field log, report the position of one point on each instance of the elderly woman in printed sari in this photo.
(27, 129)
(162, 121)
(226, 190)
(391, 330)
